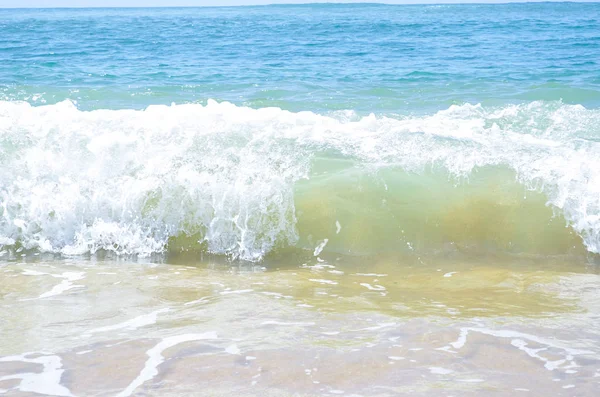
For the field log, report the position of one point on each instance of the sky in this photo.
(162, 3)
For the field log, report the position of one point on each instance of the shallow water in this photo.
(376, 326)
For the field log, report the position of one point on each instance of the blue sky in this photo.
(158, 3)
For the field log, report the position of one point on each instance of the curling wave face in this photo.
(246, 182)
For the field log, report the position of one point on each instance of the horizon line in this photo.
(382, 3)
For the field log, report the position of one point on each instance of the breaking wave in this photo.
(245, 182)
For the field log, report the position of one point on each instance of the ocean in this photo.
(300, 200)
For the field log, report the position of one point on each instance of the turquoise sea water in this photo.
(248, 131)
(370, 58)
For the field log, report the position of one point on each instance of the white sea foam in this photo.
(63, 286)
(396, 358)
(232, 349)
(319, 248)
(440, 371)
(133, 324)
(126, 181)
(240, 291)
(275, 322)
(521, 341)
(323, 281)
(373, 287)
(46, 382)
(155, 358)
